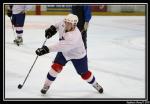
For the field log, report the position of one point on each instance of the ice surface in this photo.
(116, 54)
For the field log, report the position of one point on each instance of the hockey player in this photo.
(17, 14)
(70, 48)
(84, 14)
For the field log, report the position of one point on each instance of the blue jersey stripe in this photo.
(51, 78)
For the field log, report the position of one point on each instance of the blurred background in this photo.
(96, 9)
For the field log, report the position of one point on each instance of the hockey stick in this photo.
(21, 85)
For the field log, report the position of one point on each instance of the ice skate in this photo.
(44, 89)
(98, 88)
(18, 41)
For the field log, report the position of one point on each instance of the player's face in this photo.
(68, 26)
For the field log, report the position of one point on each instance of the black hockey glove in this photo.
(42, 51)
(9, 13)
(50, 32)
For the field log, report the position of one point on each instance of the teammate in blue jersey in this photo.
(84, 14)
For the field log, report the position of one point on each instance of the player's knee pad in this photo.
(57, 67)
(89, 77)
(86, 75)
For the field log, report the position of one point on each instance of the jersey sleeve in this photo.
(57, 25)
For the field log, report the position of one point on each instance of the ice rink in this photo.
(116, 54)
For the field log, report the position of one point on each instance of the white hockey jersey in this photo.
(19, 8)
(70, 43)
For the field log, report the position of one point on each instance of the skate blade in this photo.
(18, 44)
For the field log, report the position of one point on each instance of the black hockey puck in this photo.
(19, 86)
